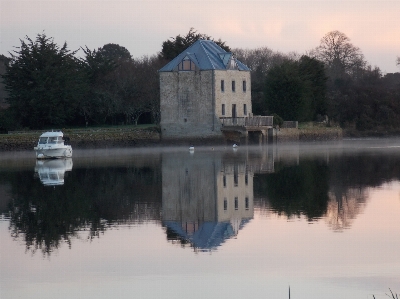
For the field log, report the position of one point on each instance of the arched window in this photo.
(186, 65)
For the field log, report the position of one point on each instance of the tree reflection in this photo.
(344, 208)
(201, 199)
(92, 200)
(296, 189)
(333, 188)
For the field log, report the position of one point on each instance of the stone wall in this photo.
(191, 101)
(229, 97)
(187, 105)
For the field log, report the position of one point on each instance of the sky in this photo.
(142, 25)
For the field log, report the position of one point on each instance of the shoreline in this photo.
(150, 137)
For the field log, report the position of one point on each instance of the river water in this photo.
(310, 220)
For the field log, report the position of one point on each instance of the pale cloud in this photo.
(141, 26)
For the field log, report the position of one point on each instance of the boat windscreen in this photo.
(52, 140)
(42, 140)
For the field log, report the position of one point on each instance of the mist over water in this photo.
(246, 222)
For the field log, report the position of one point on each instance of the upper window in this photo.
(222, 85)
(233, 86)
(244, 85)
(232, 64)
(186, 65)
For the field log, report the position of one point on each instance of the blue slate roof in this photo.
(210, 235)
(206, 55)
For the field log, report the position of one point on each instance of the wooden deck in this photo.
(251, 123)
(240, 128)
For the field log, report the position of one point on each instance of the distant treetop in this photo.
(176, 45)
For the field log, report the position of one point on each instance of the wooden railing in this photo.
(290, 124)
(250, 121)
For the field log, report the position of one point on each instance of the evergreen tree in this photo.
(295, 89)
(174, 46)
(45, 83)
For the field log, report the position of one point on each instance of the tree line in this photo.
(332, 80)
(47, 85)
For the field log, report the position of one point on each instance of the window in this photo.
(233, 86)
(52, 140)
(235, 179)
(186, 65)
(232, 64)
(244, 86)
(246, 179)
(235, 175)
(246, 203)
(244, 109)
(222, 85)
(223, 109)
(225, 204)
(236, 203)
(224, 180)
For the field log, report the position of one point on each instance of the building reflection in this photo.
(52, 172)
(207, 197)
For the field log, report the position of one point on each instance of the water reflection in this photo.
(52, 172)
(201, 199)
(342, 210)
(95, 197)
(207, 197)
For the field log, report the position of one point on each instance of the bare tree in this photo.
(339, 55)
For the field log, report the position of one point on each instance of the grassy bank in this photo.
(86, 137)
(310, 132)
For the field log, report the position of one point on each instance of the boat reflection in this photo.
(206, 197)
(52, 172)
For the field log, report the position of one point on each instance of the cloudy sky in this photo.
(142, 25)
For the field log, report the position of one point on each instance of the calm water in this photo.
(323, 219)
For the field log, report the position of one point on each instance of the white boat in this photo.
(53, 145)
(52, 172)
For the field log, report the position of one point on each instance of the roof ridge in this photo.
(208, 56)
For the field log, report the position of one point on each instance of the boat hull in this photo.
(50, 153)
